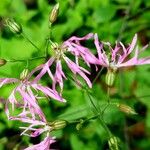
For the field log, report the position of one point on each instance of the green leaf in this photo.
(104, 13)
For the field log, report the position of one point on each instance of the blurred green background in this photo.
(113, 20)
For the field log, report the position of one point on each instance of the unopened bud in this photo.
(2, 62)
(58, 124)
(113, 143)
(13, 26)
(54, 45)
(126, 109)
(24, 74)
(80, 124)
(110, 78)
(54, 13)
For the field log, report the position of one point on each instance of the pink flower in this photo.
(27, 99)
(44, 145)
(119, 56)
(74, 47)
(36, 128)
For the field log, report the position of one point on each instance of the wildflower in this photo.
(74, 47)
(38, 127)
(35, 128)
(26, 90)
(120, 54)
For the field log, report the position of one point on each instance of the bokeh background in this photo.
(113, 20)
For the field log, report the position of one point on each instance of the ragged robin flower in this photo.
(28, 92)
(35, 128)
(120, 55)
(71, 46)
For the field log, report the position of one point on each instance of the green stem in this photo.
(108, 94)
(98, 111)
(48, 40)
(46, 48)
(86, 120)
(105, 126)
(23, 34)
(91, 101)
(99, 115)
(97, 75)
(24, 60)
(27, 65)
(108, 100)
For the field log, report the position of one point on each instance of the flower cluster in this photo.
(26, 94)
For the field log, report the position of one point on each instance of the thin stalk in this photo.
(23, 34)
(108, 100)
(98, 111)
(27, 64)
(99, 116)
(91, 101)
(24, 60)
(98, 75)
(46, 48)
(48, 40)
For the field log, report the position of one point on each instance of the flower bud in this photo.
(2, 62)
(126, 109)
(58, 124)
(13, 26)
(113, 143)
(54, 45)
(110, 78)
(80, 124)
(54, 13)
(24, 74)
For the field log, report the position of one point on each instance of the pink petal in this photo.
(76, 69)
(44, 145)
(132, 45)
(4, 81)
(88, 36)
(49, 92)
(44, 70)
(102, 58)
(59, 75)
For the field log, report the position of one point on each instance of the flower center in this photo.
(24, 74)
(59, 50)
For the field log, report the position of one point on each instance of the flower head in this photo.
(28, 93)
(119, 55)
(71, 46)
(35, 128)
